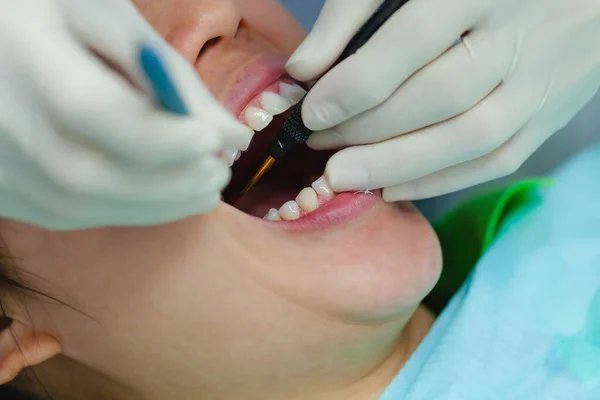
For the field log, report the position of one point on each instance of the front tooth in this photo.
(274, 104)
(290, 211)
(322, 187)
(309, 180)
(293, 93)
(230, 156)
(307, 199)
(273, 215)
(257, 118)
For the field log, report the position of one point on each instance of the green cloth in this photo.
(469, 230)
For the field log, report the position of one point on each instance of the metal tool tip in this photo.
(265, 167)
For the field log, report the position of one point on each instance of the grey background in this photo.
(583, 130)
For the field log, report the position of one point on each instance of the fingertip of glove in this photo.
(234, 135)
(301, 70)
(389, 195)
(306, 64)
(208, 142)
(242, 138)
(345, 174)
(403, 192)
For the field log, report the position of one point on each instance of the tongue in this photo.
(262, 198)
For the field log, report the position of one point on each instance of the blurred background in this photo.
(582, 131)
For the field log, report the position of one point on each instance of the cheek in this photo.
(272, 21)
(159, 14)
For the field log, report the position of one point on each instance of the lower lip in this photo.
(343, 208)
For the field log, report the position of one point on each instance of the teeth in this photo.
(257, 118)
(250, 137)
(307, 200)
(274, 104)
(292, 93)
(322, 188)
(273, 215)
(230, 156)
(290, 211)
(309, 180)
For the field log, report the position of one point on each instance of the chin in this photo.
(378, 268)
(370, 266)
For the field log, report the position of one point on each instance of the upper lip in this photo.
(253, 78)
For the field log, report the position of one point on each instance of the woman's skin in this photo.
(223, 305)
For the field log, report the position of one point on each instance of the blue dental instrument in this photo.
(165, 93)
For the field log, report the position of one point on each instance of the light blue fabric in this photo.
(526, 324)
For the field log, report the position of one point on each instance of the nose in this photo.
(195, 24)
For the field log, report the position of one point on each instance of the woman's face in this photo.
(228, 291)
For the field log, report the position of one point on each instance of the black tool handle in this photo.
(383, 13)
(293, 131)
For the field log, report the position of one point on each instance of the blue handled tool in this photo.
(165, 93)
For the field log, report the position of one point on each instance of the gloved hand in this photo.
(431, 116)
(79, 146)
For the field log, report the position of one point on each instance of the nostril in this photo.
(208, 45)
(240, 26)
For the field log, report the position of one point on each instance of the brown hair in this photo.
(10, 282)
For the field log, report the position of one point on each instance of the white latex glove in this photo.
(431, 118)
(79, 146)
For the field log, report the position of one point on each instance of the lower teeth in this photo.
(307, 201)
(273, 215)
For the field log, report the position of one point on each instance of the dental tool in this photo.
(165, 93)
(293, 131)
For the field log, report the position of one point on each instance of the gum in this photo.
(256, 101)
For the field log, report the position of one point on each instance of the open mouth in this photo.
(294, 187)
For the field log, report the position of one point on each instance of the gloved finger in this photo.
(469, 136)
(89, 174)
(155, 140)
(121, 43)
(19, 208)
(338, 22)
(207, 177)
(501, 162)
(416, 35)
(70, 207)
(165, 213)
(449, 86)
(115, 30)
(130, 215)
(98, 108)
(94, 214)
(198, 100)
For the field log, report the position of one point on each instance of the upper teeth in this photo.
(274, 104)
(258, 118)
(293, 93)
